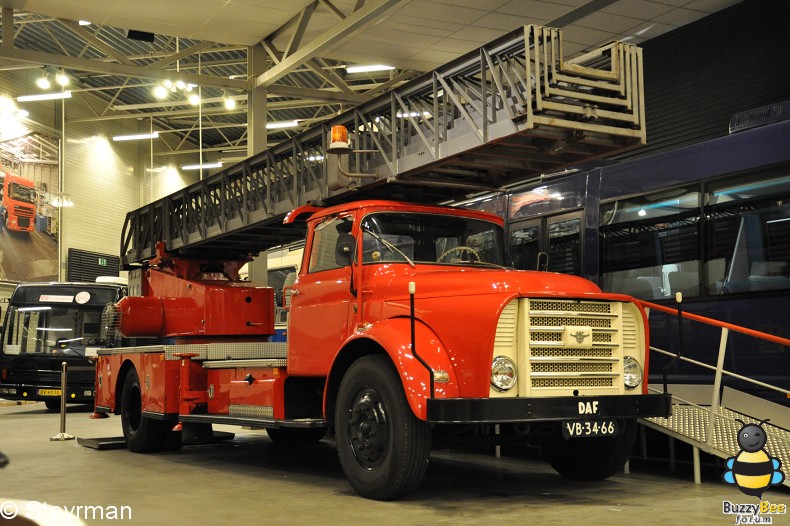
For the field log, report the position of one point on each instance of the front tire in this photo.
(382, 446)
(143, 434)
(593, 458)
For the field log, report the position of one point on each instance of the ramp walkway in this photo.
(706, 416)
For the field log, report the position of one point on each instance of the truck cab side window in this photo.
(322, 254)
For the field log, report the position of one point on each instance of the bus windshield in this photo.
(48, 329)
(400, 237)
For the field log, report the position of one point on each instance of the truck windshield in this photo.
(401, 237)
(48, 329)
(22, 193)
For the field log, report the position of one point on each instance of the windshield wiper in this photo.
(389, 245)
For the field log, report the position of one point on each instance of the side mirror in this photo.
(345, 249)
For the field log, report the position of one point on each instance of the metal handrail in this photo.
(719, 370)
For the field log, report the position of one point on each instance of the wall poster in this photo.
(30, 198)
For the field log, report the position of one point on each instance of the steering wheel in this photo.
(460, 248)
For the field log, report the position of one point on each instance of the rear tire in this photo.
(143, 434)
(594, 458)
(382, 446)
(53, 405)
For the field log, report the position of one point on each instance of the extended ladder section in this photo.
(505, 113)
(709, 417)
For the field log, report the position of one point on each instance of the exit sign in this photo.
(102, 262)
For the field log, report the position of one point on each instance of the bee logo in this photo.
(753, 470)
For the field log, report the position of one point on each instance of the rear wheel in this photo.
(382, 446)
(143, 434)
(53, 405)
(593, 458)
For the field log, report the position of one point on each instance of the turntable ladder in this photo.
(502, 114)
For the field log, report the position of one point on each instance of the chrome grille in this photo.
(574, 345)
(551, 367)
(570, 306)
(540, 352)
(568, 383)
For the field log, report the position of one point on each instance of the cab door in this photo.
(321, 302)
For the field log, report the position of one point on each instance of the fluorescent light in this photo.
(281, 124)
(45, 96)
(84, 23)
(368, 69)
(199, 166)
(136, 136)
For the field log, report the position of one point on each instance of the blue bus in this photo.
(710, 220)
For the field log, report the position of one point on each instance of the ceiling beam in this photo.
(197, 48)
(325, 40)
(111, 68)
(94, 41)
(317, 94)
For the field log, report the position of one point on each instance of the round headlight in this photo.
(632, 372)
(503, 373)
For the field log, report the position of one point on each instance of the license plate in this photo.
(49, 392)
(589, 428)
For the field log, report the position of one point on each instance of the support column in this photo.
(256, 139)
(256, 102)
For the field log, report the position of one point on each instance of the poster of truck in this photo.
(28, 226)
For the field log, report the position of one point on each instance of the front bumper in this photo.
(75, 394)
(564, 408)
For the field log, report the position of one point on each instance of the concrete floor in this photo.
(249, 480)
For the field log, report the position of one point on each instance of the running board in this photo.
(252, 421)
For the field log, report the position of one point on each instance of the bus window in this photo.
(749, 236)
(525, 245)
(558, 236)
(650, 244)
(564, 245)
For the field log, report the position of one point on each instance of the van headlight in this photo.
(632, 372)
(503, 373)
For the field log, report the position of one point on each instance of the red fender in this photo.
(394, 336)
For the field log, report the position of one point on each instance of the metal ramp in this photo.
(505, 113)
(692, 423)
(706, 416)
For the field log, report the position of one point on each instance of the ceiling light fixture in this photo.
(201, 166)
(281, 124)
(136, 136)
(45, 96)
(43, 81)
(84, 23)
(230, 103)
(62, 79)
(368, 69)
(160, 92)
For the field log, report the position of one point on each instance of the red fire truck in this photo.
(406, 322)
(19, 203)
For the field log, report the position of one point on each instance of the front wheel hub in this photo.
(368, 429)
